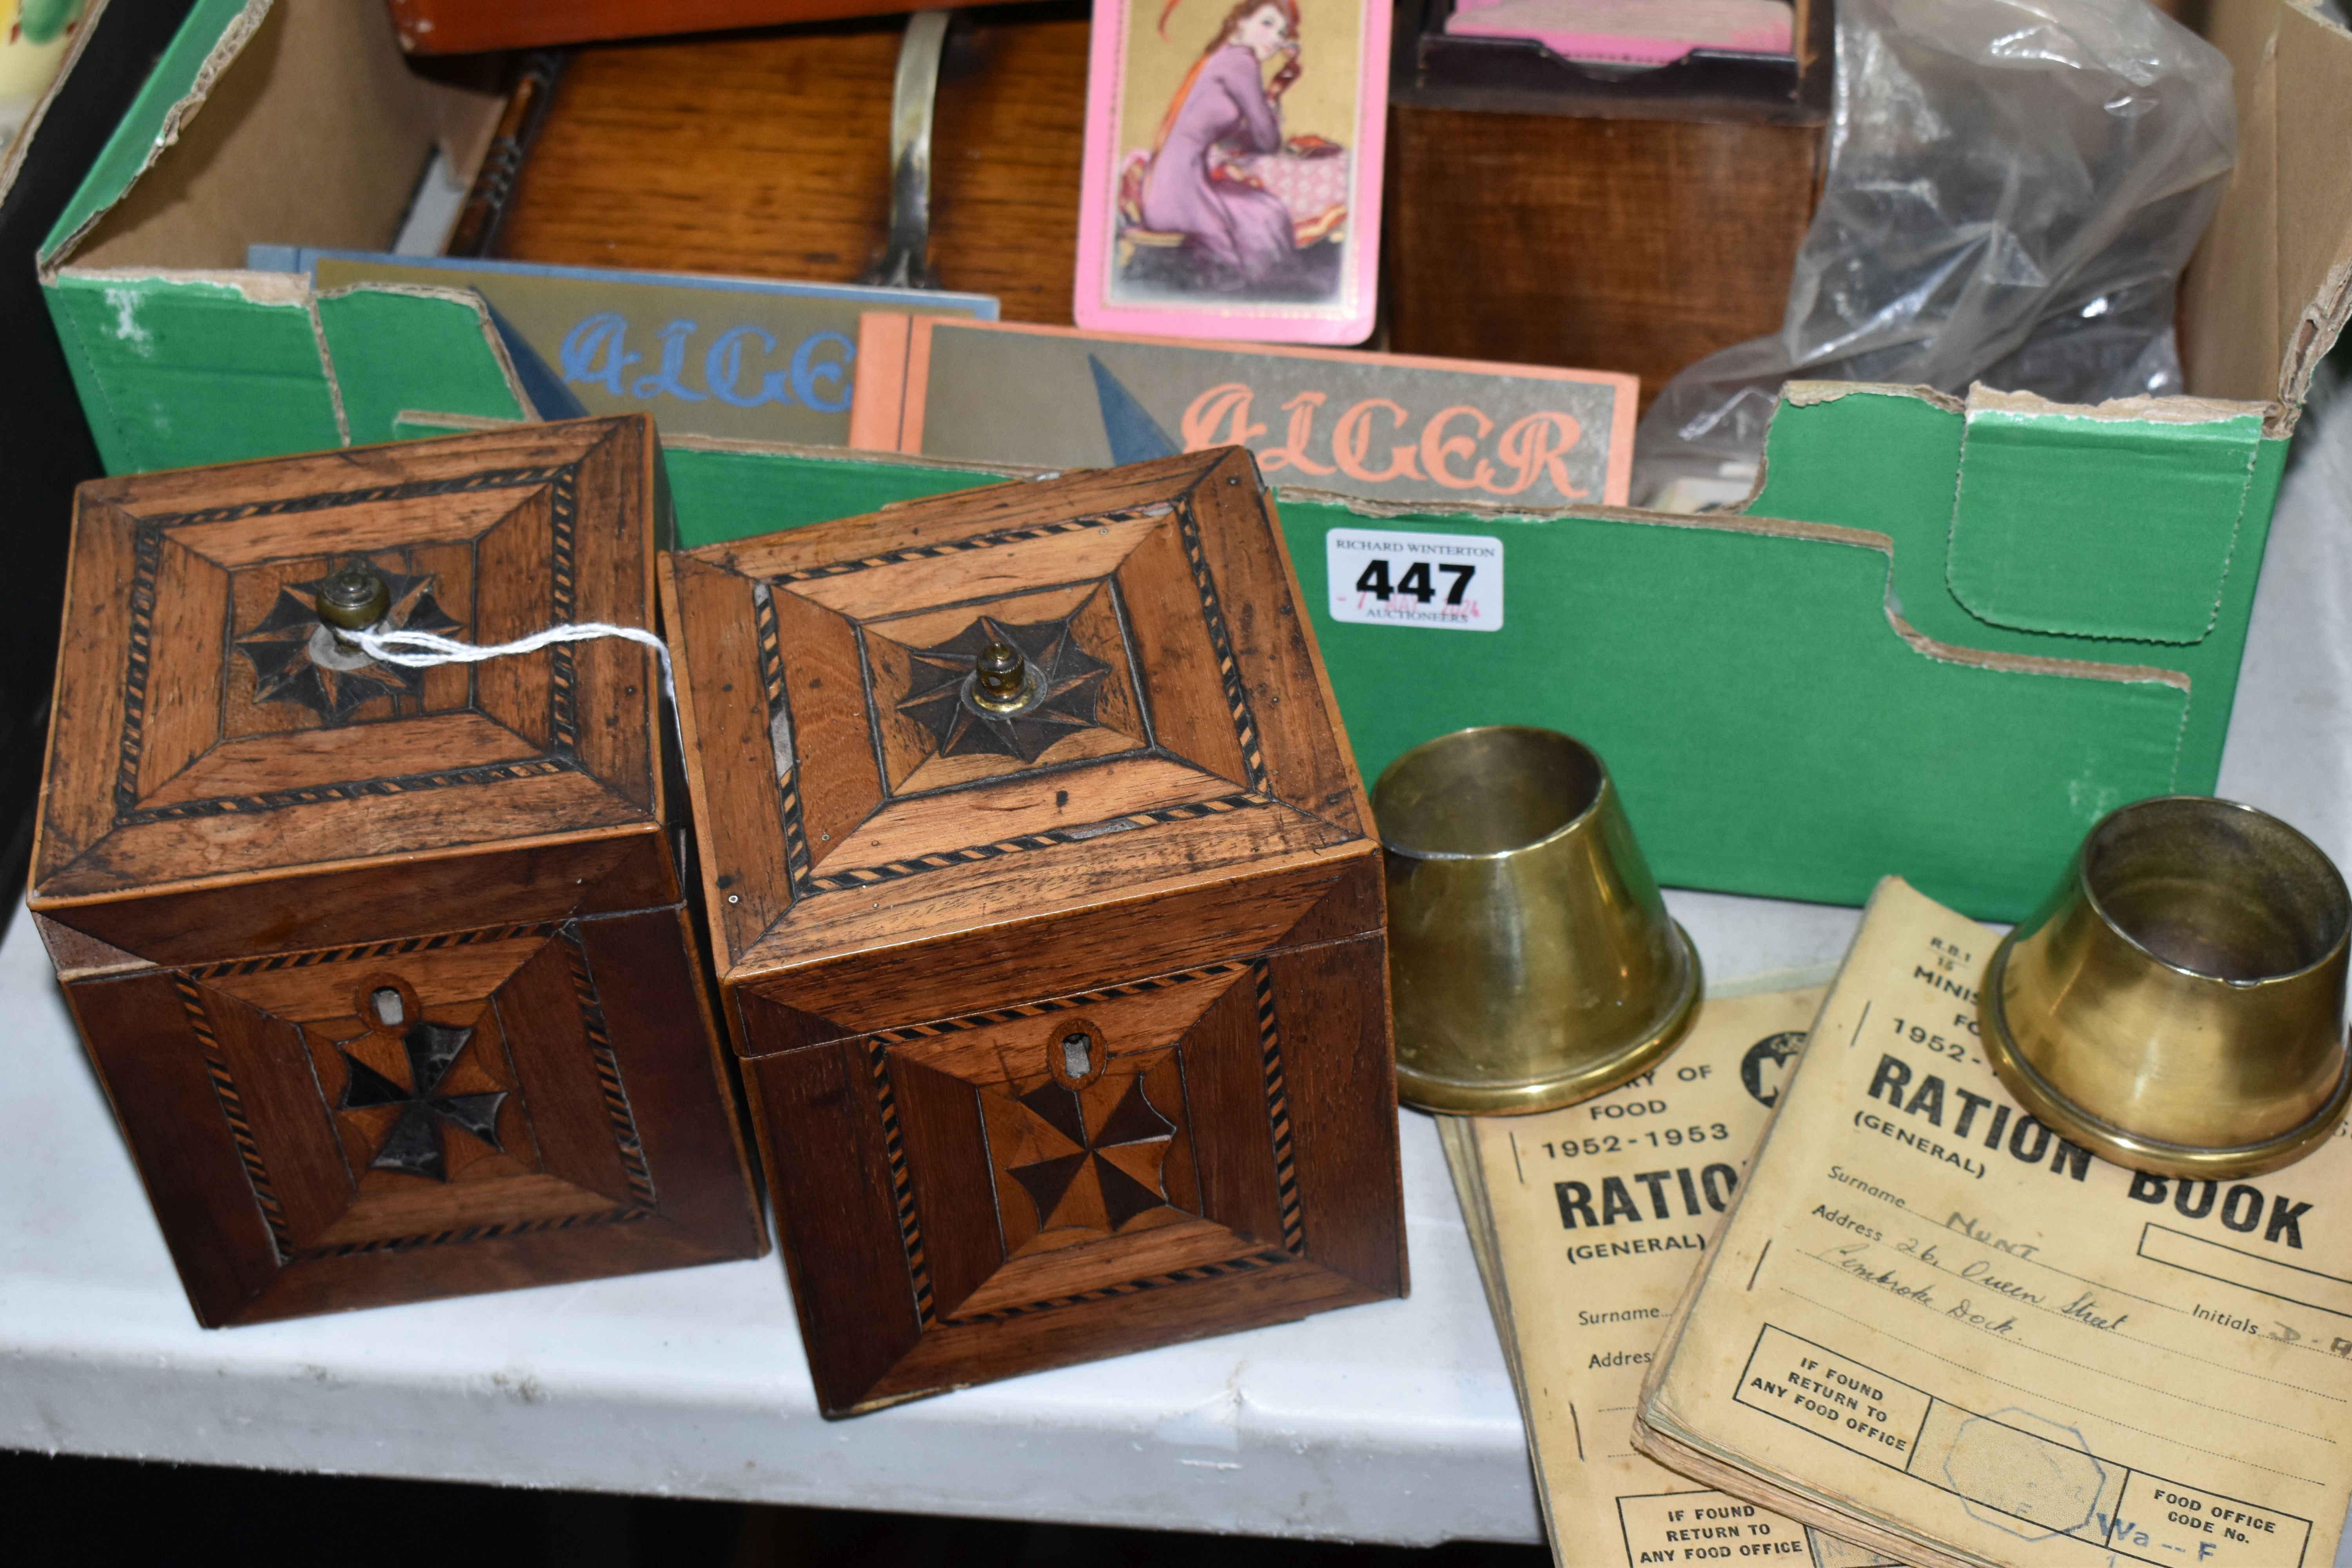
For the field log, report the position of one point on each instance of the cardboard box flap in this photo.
(287, 122)
(259, 386)
(213, 36)
(2114, 522)
(176, 368)
(396, 346)
(318, 134)
(2270, 284)
(1887, 458)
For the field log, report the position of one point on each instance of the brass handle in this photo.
(905, 260)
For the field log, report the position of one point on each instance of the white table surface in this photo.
(1393, 1422)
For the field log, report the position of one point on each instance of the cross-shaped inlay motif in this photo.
(413, 1145)
(1070, 685)
(1110, 1172)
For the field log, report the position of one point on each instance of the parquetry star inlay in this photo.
(413, 1145)
(1119, 1160)
(283, 649)
(1073, 681)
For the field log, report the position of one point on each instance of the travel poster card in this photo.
(739, 358)
(1231, 185)
(1381, 427)
(1933, 1325)
(1589, 1222)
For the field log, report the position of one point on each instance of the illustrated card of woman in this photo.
(1233, 169)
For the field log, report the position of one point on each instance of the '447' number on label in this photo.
(1415, 581)
(1383, 576)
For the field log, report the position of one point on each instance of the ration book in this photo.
(1937, 1328)
(1588, 1223)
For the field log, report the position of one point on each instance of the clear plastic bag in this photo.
(2013, 188)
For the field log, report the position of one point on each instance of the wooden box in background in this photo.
(1553, 212)
(1634, 243)
(1065, 1033)
(388, 973)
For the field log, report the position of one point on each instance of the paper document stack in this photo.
(1588, 1223)
(1937, 1328)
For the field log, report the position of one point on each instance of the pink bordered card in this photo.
(1233, 169)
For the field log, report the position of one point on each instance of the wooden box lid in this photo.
(202, 734)
(849, 798)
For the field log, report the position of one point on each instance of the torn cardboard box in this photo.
(1942, 636)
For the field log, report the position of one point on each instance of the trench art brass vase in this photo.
(2178, 1002)
(1531, 961)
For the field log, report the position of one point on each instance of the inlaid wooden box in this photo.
(1066, 1030)
(388, 973)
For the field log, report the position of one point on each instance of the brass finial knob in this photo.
(1000, 682)
(355, 598)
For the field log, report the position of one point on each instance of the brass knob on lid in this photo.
(355, 598)
(1000, 678)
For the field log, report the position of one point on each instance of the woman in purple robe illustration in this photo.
(1204, 187)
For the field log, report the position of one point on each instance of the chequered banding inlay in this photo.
(399, 947)
(350, 789)
(1277, 1112)
(771, 653)
(976, 542)
(910, 1228)
(232, 1104)
(626, 1141)
(147, 556)
(1248, 1264)
(796, 844)
(1228, 668)
(797, 859)
(623, 1216)
(964, 1021)
(902, 1186)
(327, 500)
(869, 876)
(562, 680)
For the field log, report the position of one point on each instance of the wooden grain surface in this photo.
(232, 903)
(767, 154)
(1624, 245)
(215, 781)
(467, 27)
(1199, 905)
(1236, 767)
(1614, 244)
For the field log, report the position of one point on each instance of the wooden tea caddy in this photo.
(1065, 1027)
(389, 975)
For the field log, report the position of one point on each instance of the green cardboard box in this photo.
(1942, 640)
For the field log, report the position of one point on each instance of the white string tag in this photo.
(385, 647)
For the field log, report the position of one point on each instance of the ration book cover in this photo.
(1936, 1327)
(1588, 1223)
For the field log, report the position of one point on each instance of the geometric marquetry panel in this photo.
(206, 686)
(410, 1116)
(1092, 1149)
(1050, 922)
(420, 1085)
(387, 970)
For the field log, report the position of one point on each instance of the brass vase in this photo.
(2178, 1002)
(1530, 957)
